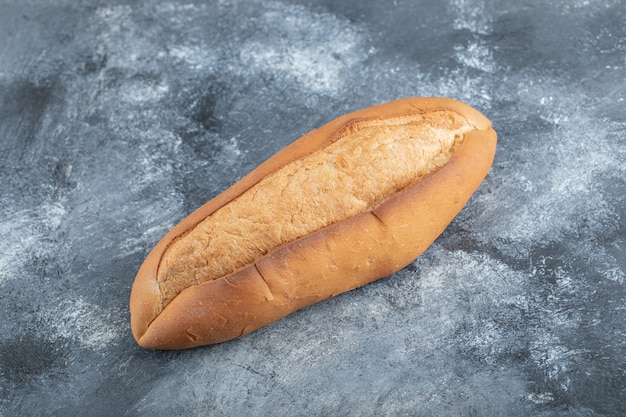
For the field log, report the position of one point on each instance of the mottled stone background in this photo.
(119, 118)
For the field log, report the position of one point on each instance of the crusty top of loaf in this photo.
(366, 163)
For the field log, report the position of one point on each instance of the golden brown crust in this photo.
(335, 259)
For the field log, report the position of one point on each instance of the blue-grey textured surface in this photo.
(119, 118)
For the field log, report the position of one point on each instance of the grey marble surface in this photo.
(119, 118)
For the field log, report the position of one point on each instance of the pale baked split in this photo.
(371, 161)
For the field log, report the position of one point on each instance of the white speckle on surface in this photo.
(576, 150)
(197, 57)
(554, 359)
(546, 100)
(542, 398)
(458, 84)
(472, 15)
(176, 8)
(117, 17)
(25, 233)
(475, 55)
(91, 325)
(614, 272)
(141, 92)
(125, 45)
(310, 50)
(13, 241)
(233, 148)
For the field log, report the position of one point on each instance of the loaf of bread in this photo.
(344, 205)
